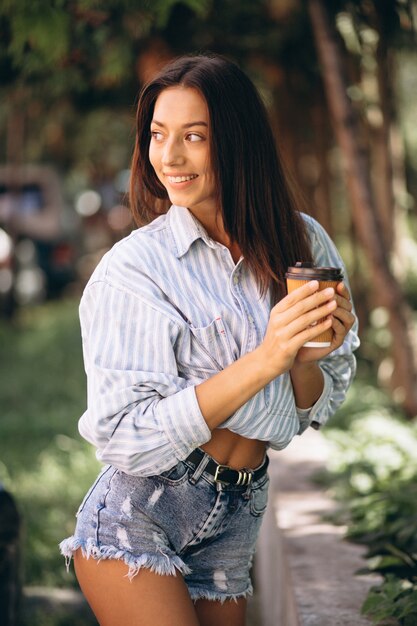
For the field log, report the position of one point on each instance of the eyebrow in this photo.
(189, 125)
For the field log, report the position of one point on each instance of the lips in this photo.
(181, 179)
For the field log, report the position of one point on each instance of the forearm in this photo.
(308, 383)
(224, 393)
(293, 322)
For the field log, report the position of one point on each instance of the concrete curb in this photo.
(306, 570)
(274, 585)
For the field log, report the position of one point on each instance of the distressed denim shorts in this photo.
(179, 520)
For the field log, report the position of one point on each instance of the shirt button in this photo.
(235, 279)
(250, 318)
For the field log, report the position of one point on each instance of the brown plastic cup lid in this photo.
(307, 271)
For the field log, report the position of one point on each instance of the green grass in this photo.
(44, 462)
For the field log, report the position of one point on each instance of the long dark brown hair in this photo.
(259, 210)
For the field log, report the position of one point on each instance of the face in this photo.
(179, 150)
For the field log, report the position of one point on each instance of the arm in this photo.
(335, 365)
(142, 415)
(288, 329)
(308, 382)
(317, 381)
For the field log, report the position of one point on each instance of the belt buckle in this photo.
(244, 478)
(220, 468)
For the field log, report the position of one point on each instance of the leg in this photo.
(217, 614)
(146, 600)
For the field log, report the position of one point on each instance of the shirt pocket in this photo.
(209, 349)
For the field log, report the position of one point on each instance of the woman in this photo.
(194, 356)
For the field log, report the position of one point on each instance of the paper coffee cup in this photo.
(303, 273)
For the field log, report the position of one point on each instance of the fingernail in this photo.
(329, 291)
(313, 284)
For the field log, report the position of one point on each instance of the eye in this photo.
(156, 135)
(194, 137)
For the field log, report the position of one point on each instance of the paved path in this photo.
(313, 562)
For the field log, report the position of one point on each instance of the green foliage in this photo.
(96, 40)
(373, 475)
(162, 9)
(393, 602)
(43, 461)
(47, 32)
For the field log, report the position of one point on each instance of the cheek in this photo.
(153, 157)
(211, 183)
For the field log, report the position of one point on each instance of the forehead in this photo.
(180, 105)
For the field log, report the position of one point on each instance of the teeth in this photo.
(181, 179)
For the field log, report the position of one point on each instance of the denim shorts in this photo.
(181, 520)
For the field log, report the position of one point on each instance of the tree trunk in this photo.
(384, 175)
(15, 128)
(322, 190)
(364, 212)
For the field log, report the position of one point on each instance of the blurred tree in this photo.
(61, 58)
(373, 226)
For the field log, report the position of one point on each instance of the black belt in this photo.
(224, 473)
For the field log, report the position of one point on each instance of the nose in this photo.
(173, 153)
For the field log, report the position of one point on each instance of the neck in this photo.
(213, 223)
(220, 235)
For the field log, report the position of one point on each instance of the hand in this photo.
(342, 321)
(299, 317)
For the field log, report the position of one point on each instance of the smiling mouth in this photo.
(181, 179)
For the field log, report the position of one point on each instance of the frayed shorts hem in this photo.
(215, 596)
(162, 564)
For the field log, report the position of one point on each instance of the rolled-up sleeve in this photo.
(141, 415)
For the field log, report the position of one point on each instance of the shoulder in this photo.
(318, 236)
(323, 247)
(136, 253)
(135, 271)
(314, 228)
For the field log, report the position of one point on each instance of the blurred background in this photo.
(340, 82)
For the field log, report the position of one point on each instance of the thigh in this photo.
(212, 613)
(145, 600)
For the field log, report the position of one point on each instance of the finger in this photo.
(296, 296)
(343, 303)
(339, 333)
(311, 319)
(298, 306)
(310, 333)
(318, 299)
(338, 326)
(302, 315)
(343, 290)
(345, 317)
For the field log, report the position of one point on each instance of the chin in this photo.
(181, 200)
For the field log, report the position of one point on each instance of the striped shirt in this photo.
(165, 309)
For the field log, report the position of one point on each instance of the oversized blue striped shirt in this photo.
(165, 309)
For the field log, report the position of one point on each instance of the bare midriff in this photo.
(234, 450)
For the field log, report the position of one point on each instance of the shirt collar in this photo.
(186, 229)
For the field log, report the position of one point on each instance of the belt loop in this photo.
(199, 469)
